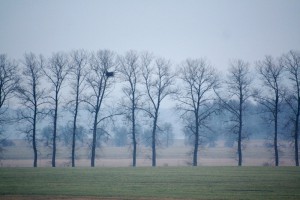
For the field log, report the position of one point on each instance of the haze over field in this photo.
(140, 74)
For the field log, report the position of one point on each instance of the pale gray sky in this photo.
(218, 30)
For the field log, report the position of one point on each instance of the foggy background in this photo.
(218, 31)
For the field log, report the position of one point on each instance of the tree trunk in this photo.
(75, 125)
(240, 146)
(154, 139)
(134, 150)
(240, 131)
(34, 137)
(275, 146)
(276, 131)
(196, 146)
(296, 141)
(133, 135)
(94, 140)
(54, 131)
(297, 131)
(195, 157)
(74, 136)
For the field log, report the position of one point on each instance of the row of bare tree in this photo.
(86, 80)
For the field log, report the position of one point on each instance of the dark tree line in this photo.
(41, 87)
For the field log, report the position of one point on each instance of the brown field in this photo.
(255, 154)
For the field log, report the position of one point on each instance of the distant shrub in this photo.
(266, 164)
(7, 143)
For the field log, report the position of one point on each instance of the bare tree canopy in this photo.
(238, 91)
(158, 82)
(271, 73)
(99, 83)
(56, 72)
(84, 99)
(199, 80)
(9, 81)
(32, 97)
(291, 62)
(78, 73)
(130, 71)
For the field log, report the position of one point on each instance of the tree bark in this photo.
(196, 145)
(74, 133)
(296, 135)
(34, 137)
(154, 139)
(133, 133)
(34, 122)
(297, 131)
(240, 129)
(75, 122)
(276, 130)
(94, 140)
(55, 131)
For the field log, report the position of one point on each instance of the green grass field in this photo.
(159, 183)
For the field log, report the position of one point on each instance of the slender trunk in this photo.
(196, 146)
(100, 96)
(94, 140)
(296, 141)
(133, 135)
(54, 130)
(134, 147)
(75, 124)
(275, 146)
(297, 131)
(34, 137)
(154, 137)
(240, 131)
(276, 131)
(240, 143)
(74, 135)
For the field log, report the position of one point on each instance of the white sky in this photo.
(218, 30)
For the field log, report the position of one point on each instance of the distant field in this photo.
(255, 154)
(151, 183)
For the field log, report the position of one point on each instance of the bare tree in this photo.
(271, 73)
(238, 90)
(9, 81)
(167, 134)
(66, 136)
(56, 72)
(102, 67)
(158, 81)
(120, 136)
(131, 74)
(195, 100)
(79, 60)
(291, 62)
(32, 97)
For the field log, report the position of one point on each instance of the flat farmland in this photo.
(179, 154)
(150, 183)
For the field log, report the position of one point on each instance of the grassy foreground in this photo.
(160, 182)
